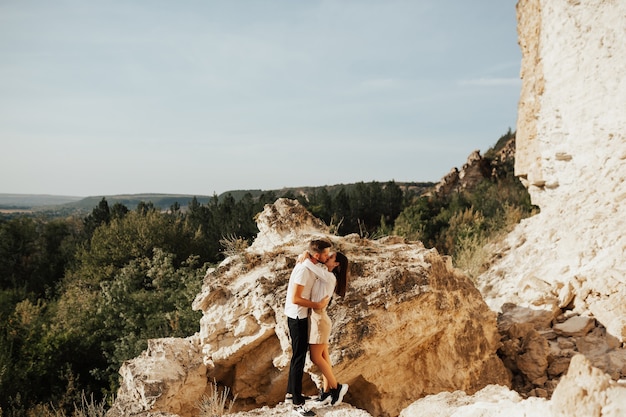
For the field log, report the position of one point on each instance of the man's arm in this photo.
(299, 300)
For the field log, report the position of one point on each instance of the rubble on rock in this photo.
(584, 392)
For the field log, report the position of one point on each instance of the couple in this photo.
(316, 275)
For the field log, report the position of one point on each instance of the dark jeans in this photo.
(299, 332)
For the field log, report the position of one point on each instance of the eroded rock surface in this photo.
(168, 379)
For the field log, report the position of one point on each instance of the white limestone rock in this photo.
(575, 326)
(571, 151)
(168, 378)
(588, 392)
(491, 401)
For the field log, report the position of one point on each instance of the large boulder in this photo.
(410, 325)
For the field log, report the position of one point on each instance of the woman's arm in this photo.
(303, 256)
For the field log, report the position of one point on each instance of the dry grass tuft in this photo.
(214, 405)
(233, 245)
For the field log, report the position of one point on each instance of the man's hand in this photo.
(305, 302)
(322, 304)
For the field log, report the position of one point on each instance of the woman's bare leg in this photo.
(326, 357)
(321, 358)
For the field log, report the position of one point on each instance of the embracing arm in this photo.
(303, 256)
(299, 300)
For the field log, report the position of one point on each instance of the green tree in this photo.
(414, 221)
(393, 201)
(99, 215)
(128, 285)
(341, 215)
(320, 204)
(18, 247)
(118, 211)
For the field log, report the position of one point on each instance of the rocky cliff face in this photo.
(564, 268)
(473, 171)
(571, 152)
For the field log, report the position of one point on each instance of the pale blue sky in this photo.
(196, 97)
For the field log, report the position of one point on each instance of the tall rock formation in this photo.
(559, 279)
(571, 153)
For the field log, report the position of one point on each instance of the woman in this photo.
(320, 324)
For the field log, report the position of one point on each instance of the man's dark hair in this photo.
(318, 246)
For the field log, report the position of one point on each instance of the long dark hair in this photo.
(341, 272)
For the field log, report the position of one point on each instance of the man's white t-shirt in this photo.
(300, 275)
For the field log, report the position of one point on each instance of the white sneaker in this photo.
(301, 410)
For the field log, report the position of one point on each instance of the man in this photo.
(297, 307)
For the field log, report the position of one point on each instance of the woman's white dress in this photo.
(319, 322)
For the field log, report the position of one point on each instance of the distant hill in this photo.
(29, 201)
(63, 205)
(163, 201)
